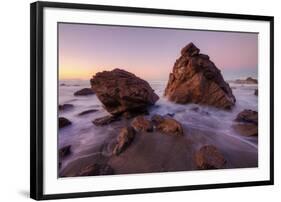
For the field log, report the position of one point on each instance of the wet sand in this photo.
(155, 152)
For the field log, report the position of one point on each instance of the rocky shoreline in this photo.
(147, 152)
(145, 142)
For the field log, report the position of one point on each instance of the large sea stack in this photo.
(123, 92)
(196, 79)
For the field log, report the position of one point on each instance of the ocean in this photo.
(216, 124)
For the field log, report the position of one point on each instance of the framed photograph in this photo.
(129, 100)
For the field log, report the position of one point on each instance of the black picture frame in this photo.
(36, 98)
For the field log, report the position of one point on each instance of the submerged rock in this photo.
(63, 122)
(124, 139)
(247, 129)
(247, 116)
(196, 79)
(209, 157)
(201, 111)
(141, 124)
(64, 107)
(167, 125)
(64, 151)
(248, 123)
(256, 92)
(170, 114)
(87, 112)
(121, 91)
(105, 120)
(196, 109)
(96, 169)
(84, 91)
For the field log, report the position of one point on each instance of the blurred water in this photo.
(85, 136)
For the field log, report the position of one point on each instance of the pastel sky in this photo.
(150, 52)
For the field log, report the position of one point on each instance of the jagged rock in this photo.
(96, 169)
(209, 157)
(64, 107)
(84, 91)
(141, 124)
(121, 91)
(64, 151)
(196, 79)
(63, 122)
(124, 139)
(105, 120)
(87, 112)
(167, 125)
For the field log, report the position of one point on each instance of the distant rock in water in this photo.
(248, 80)
(251, 80)
(63, 122)
(84, 91)
(121, 91)
(209, 157)
(196, 79)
